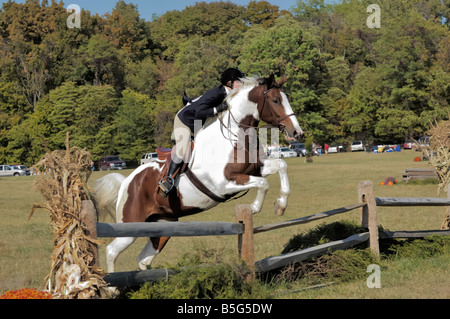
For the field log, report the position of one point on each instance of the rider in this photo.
(208, 105)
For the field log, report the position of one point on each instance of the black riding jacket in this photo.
(203, 108)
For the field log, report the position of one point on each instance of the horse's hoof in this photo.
(255, 209)
(278, 209)
(113, 291)
(254, 212)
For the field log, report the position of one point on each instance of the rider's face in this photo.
(236, 84)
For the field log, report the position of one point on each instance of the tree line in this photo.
(115, 83)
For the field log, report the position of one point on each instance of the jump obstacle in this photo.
(244, 230)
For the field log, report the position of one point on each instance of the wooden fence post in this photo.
(448, 208)
(369, 217)
(446, 223)
(89, 217)
(246, 247)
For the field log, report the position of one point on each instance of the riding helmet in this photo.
(231, 74)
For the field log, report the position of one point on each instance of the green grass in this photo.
(327, 183)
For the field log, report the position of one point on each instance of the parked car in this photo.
(424, 141)
(282, 152)
(107, 163)
(335, 149)
(357, 146)
(21, 168)
(409, 144)
(299, 148)
(149, 157)
(8, 170)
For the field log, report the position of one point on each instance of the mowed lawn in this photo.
(327, 183)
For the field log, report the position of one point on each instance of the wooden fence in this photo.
(245, 231)
(368, 204)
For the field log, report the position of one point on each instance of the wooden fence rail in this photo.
(308, 219)
(243, 228)
(407, 201)
(169, 229)
(413, 234)
(275, 262)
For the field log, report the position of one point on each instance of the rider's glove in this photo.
(222, 107)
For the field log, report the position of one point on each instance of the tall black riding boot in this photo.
(167, 183)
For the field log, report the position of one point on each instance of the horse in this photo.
(222, 165)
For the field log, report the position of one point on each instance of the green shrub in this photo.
(350, 264)
(210, 282)
(323, 234)
(338, 266)
(209, 278)
(420, 248)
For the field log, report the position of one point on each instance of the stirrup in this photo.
(166, 185)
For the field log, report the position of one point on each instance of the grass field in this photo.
(327, 183)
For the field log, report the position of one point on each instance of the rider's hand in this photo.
(222, 107)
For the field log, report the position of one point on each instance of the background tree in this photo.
(134, 122)
(286, 49)
(261, 12)
(127, 32)
(116, 82)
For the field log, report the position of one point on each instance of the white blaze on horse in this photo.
(226, 161)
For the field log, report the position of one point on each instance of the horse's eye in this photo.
(276, 101)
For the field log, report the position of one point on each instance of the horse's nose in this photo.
(298, 133)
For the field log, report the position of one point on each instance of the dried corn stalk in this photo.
(73, 273)
(440, 148)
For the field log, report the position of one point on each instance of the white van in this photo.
(149, 157)
(357, 146)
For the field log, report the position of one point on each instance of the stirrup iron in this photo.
(166, 185)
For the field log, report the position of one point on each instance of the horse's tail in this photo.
(106, 190)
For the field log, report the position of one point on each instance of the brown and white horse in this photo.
(226, 161)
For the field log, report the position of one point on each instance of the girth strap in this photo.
(201, 187)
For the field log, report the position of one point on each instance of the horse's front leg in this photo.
(263, 186)
(271, 166)
(260, 183)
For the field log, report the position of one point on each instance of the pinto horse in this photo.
(223, 162)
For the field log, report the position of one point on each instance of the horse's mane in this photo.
(247, 82)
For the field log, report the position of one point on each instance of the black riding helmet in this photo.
(231, 74)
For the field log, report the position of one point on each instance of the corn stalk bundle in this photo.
(440, 148)
(73, 273)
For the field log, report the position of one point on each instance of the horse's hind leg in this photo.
(114, 249)
(153, 247)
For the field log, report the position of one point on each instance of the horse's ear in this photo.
(271, 81)
(281, 81)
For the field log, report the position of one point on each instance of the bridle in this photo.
(278, 122)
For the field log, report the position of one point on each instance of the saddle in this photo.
(165, 158)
